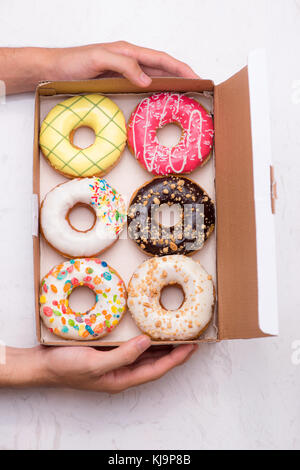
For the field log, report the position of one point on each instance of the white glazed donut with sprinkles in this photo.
(104, 316)
(106, 204)
(191, 319)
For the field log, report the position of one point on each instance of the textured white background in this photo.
(242, 394)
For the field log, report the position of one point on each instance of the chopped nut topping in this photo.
(173, 246)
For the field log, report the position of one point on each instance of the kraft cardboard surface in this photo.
(236, 244)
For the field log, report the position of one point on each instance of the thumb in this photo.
(125, 354)
(127, 66)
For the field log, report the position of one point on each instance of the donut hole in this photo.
(172, 297)
(82, 299)
(169, 135)
(82, 137)
(168, 216)
(81, 217)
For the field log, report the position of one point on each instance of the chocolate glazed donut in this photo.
(196, 221)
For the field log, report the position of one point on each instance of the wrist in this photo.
(23, 68)
(24, 368)
(39, 64)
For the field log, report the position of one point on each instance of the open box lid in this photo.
(247, 291)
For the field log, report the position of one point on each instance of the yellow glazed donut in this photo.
(95, 111)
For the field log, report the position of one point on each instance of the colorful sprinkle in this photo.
(48, 311)
(62, 275)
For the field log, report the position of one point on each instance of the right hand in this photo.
(115, 58)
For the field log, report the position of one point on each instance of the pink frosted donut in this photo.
(156, 111)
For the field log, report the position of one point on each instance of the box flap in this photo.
(264, 192)
(236, 227)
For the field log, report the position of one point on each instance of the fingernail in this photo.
(143, 342)
(145, 79)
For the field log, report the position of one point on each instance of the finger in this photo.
(154, 59)
(150, 355)
(146, 357)
(125, 354)
(151, 370)
(195, 348)
(126, 65)
(153, 72)
(179, 353)
(157, 355)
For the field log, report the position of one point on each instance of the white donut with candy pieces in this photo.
(191, 318)
(108, 207)
(104, 316)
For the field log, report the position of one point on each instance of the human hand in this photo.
(22, 68)
(115, 58)
(113, 370)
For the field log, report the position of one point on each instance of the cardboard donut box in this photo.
(243, 248)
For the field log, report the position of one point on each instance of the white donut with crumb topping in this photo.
(195, 313)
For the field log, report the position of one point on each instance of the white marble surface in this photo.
(242, 394)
